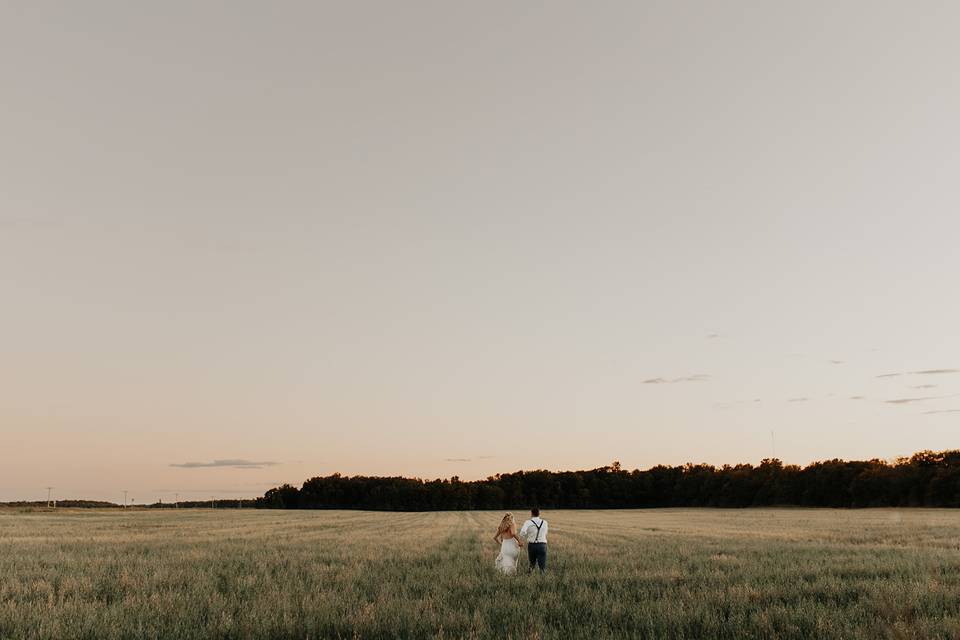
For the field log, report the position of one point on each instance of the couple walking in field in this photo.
(534, 531)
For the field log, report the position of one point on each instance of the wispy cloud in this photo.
(711, 336)
(797, 399)
(924, 386)
(925, 372)
(234, 463)
(909, 400)
(856, 397)
(942, 411)
(835, 361)
(698, 377)
(469, 459)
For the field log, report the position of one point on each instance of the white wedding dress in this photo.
(507, 560)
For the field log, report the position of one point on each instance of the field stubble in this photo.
(769, 573)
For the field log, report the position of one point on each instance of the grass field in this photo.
(613, 574)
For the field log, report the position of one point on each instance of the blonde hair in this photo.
(505, 523)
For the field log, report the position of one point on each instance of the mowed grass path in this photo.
(349, 574)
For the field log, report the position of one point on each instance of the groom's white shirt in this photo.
(529, 530)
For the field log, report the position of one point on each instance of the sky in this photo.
(246, 243)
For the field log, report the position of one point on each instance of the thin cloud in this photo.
(699, 377)
(797, 399)
(233, 463)
(925, 386)
(856, 397)
(925, 372)
(909, 400)
(835, 361)
(711, 336)
(942, 411)
(458, 459)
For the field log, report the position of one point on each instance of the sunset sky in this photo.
(248, 243)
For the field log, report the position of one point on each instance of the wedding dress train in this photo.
(507, 560)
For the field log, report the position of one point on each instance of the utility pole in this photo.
(124, 498)
(49, 489)
(176, 505)
(773, 444)
(213, 504)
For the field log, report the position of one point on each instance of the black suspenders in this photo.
(537, 539)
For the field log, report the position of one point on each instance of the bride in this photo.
(509, 545)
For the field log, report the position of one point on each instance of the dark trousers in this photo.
(537, 552)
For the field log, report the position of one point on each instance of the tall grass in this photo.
(613, 574)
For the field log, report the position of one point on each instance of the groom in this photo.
(535, 531)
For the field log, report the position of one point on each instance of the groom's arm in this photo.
(523, 529)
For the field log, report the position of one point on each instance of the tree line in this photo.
(925, 479)
(63, 504)
(217, 503)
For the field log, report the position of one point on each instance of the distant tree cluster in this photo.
(64, 504)
(926, 479)
(218, 503)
